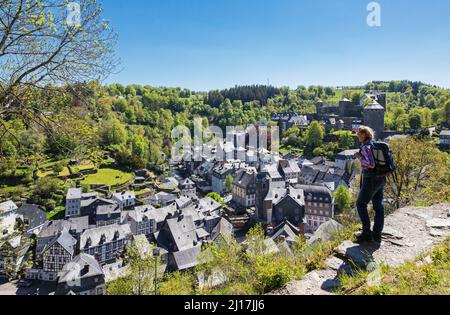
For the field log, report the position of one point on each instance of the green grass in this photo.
(108, 177)
(56, 214)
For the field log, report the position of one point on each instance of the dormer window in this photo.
(103, 239)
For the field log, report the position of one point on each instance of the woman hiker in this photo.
(372, 189)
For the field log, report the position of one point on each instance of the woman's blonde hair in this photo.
(367, 131)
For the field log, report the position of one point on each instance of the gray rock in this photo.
(325, 232)
(355, 253)
(334, 263)
(436, 233)
(438, 223)
(392, 233)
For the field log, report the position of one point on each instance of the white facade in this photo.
(73, 202)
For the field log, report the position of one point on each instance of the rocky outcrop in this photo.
(409, 232)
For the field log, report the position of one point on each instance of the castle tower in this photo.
(345, 107)
(374, 117)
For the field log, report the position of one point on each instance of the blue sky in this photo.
(209, 44)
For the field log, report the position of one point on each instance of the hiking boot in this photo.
(377, 238)
(363, 237)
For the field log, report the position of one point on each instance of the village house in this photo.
(55, 255)
(82, 276)
(187, 188)
(142, 220)
(219, 175)
(244, 189)
(51, 229)
(290, 170)
(7, 208)
(162, 199)
(106, 243)
(31, 219)
(318, 206)
(125, 199)
(179, 237)
(108, 215)
(344, 159)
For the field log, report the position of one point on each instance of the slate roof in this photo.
(88, 202)
(201, 233)
(279, 194)
(124, 195)
(186, 184)
(287, 229)
(110, 232)
(374, 106)
(289, 166)
(67, 241)
(177, 234)
(70, 273)
(187, 258)
(162, 213)
(272, 170)
(108, 209)
(244, 178)
(33, 214)
(78, 225)
(208, 204)
(138, 215)
(182, 202)
(224, 227)
(317, 191)
(7, 206)
(74, 193)
(183, 231)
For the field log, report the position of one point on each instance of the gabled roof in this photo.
(224, 227)
(108, 209)
(187, 258)
(317, 191)
(277, 195)
(140, 213)
(186, 184)
(7, 206)
(78, 225)
(287, 229)
(126, 195)
(183, 232)
(272, 170)
(208, 204)
(289, 166)
(244, 178)
(74, 270)
(104, 234)
(67, 241)
(33, 213)
(201, 233)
